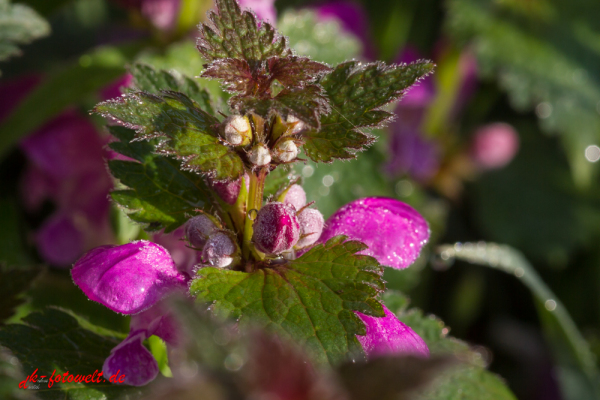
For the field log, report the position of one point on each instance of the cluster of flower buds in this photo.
(219, 247)
(273, 141)
(288, 224)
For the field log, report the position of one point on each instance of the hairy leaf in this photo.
(293, 71)
(148, 79)
(159, 194)
(307, 104)
(356, 93)
(235, 34)
(239, 78)
(186, 131)
(19, 24)
(55, 340)
(309, 300)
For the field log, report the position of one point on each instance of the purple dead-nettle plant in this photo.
(264, 260)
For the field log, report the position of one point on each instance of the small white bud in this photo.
(285, 151)
(237, 130)
(260, 155)
(299, 124)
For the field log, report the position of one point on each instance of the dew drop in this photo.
(550, 305)
(252, 214)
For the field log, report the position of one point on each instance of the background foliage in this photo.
(537, 69)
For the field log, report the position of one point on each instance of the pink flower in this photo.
(134, 278)
(395, 234)
(353, 19)
(494, 145)
(264, 9)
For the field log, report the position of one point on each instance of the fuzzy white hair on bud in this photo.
(285, 151)
(260, 155)
(311, 226)
(299, 124)
(237, 130)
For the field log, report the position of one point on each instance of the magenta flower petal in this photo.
(130, 278)
(389, 336)
(156, 321)
(59, 241)
(394, 231)
(131, 360)
(184, 257)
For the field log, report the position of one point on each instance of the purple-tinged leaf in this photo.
(235, 34)
(293, 71)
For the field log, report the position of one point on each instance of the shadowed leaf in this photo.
(309, 300)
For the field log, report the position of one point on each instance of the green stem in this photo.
(255, 196)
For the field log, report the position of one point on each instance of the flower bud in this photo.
(259, 155)
(299, 125)
(285, 151)
(276, 228)
(229, 191)
(237, 130)
(198, 229)
(311, 226)
(294, 196)
(220, 250)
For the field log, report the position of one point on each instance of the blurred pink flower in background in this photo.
(352, 18)
(65, 166)
(494, 145)
(264, 9)
(162, 14)
(411, 151)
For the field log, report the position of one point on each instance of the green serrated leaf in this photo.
(356, 92)
(55, 340)
(19, 24)
(159, 194)
(148, 79)
(235, 34)
(186, 131)
(309, 300)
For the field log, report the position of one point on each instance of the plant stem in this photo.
(255, 196)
